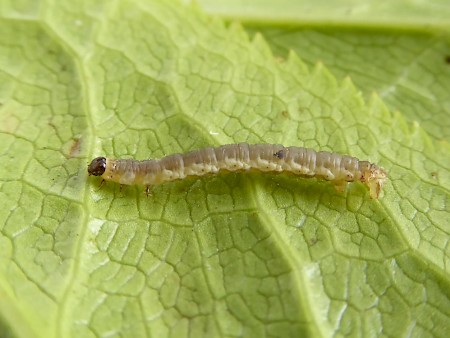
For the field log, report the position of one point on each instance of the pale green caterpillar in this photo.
(339, 169)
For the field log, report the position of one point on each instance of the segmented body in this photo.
(306, 162)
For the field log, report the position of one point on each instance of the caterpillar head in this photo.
(97, 166)
(374, 177)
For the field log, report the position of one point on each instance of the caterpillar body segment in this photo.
(306, 162)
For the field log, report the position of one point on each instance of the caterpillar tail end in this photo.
(375, 180)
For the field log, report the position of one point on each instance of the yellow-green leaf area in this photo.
(398, 50)
(239, 254)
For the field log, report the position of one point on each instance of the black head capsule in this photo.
(97, 166)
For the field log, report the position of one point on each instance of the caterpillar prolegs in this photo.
(306, 162)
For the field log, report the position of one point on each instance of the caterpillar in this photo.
(306, 162)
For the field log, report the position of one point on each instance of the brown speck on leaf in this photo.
(285, 114)
(75, 147)
(51, 124)
(447, 59)
(434, 174)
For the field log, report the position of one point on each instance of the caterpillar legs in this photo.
(147, 190)
(101, 184)
(341, 186)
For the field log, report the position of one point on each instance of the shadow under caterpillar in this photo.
(305, 162)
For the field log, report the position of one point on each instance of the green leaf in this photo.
(229, 255)
(392, 49)
(401, 13)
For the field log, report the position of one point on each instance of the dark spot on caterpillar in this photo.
(97, 166)
(279, 154)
